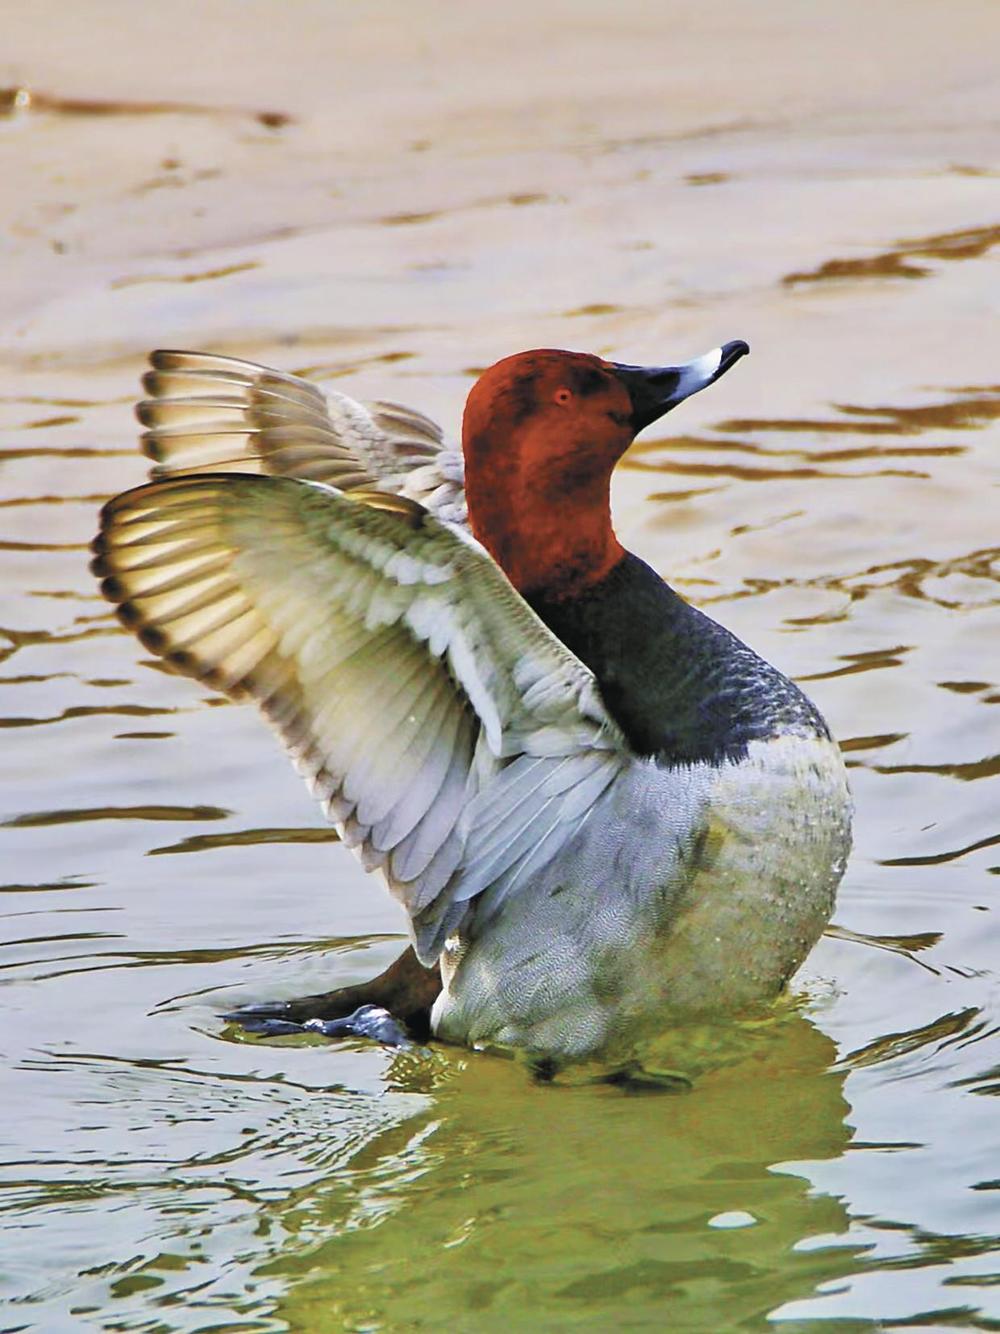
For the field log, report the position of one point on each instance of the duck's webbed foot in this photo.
(638, 1078)
(392, 1008)
(367, 1021)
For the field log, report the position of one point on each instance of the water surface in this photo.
(386, 200)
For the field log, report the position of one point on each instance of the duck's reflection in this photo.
(510, 1201)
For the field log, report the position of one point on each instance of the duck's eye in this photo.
(563, 396)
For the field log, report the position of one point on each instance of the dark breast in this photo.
(680, 686)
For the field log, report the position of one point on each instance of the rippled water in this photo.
(350, 195)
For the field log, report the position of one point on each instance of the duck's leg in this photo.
(391, 1008)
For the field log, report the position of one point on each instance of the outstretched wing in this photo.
(454, 740)
(208, 413)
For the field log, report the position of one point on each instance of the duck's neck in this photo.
(680, 686)
(546, 524)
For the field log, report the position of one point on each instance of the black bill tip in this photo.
(654, 390)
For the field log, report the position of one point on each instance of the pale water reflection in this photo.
(346, 195)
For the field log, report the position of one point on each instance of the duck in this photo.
(603, 813)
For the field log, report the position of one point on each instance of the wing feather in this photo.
(456, 743)
(209, 413)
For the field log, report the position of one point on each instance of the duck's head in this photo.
(542, 433)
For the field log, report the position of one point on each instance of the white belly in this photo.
(689, 891)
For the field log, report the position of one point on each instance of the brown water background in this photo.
(386, 197)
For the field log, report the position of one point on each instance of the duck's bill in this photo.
(654, 390)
